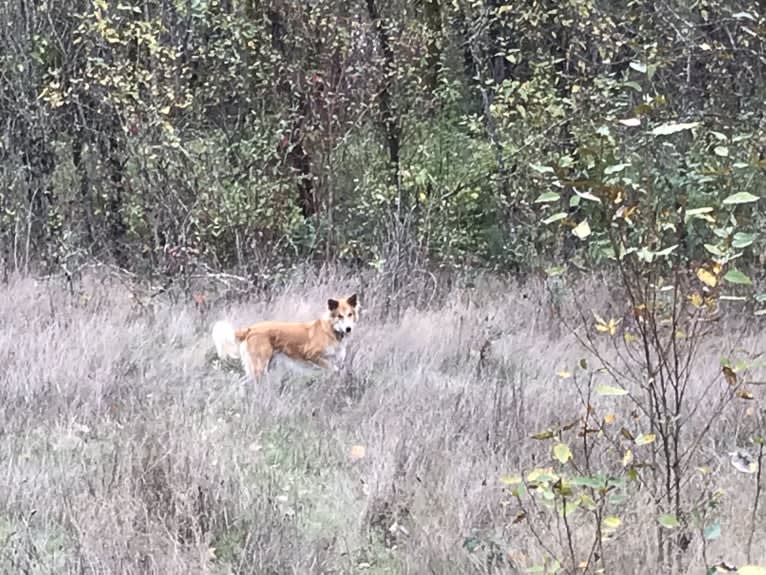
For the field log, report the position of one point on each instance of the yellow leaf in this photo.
(542, 472)
(604, 389)
(612, 522)
(751, 570)
(629, 337)
(599, 319)
(563, 374)
(609, 327)
(696, 299)
(511, 479)
(562, 452)
(744, 394)
(645, 439)
(706, 277)
(582, 230)
(610, 418)
(627, 458)
(165, 110)
(357, 452)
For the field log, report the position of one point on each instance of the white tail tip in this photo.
(225, 340)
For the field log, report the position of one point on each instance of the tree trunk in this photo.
(391, 126)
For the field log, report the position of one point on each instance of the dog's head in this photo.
(343, 314)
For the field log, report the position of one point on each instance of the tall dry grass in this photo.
(124, 449)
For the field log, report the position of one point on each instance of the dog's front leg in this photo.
(325, 364)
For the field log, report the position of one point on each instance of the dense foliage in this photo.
(236, 133)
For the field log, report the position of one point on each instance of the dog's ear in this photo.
(332, 304)
(352, 300)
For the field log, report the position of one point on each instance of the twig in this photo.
(755, 503)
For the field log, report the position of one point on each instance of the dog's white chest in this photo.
(336, 354)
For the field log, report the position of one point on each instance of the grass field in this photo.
(125, 449)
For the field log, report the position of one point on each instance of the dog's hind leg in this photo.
(257, 355)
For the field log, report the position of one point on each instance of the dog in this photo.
(320, 343)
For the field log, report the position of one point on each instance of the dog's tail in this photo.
(225, 339)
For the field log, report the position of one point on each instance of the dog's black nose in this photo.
(348, 330)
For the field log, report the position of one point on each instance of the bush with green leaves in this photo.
(673, 216)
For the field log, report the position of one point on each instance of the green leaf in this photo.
(471, 543)
(721, 151)
(610, 390)
(672, 128)
(542, 169)
(666, 251)
(734, 276)
(700, 213)
(568, 508)
(616, 168)
(697, 211)
(562, 452)
(668, 521)
(630, 122)
(742, 240)
(555, 218)
(741, 198)
(715, 250)
(588, 196)
(596, 482)
(548, 197)
(712, 531)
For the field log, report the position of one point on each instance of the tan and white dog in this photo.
(318, 343)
